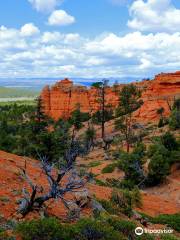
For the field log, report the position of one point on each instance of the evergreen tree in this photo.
(174, 121)
(105, 110)
(158, 168)
(78, 117)
(160, 112)
(129, 101)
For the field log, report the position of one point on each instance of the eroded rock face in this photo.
(160, 92)
(62, 98)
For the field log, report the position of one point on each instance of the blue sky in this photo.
(81, 38)
(92, 17)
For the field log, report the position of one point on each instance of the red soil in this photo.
(11, 184)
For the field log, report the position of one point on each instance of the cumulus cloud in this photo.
(45, 5)
(154, 15)
(10, 40)
(145, 64)
(29, 29)
(54, 54)
(60, 18)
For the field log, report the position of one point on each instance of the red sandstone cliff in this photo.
(160, 92)
(62, 98)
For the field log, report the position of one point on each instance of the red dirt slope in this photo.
(11, 184)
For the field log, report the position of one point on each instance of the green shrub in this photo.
(127, 184)
(136, 197)
(131, 164)
(174, 120)
(101, 183)
(158, 169)
(163, 153)
(4, 235)
(157, 148)
(45, 229)
(169, 141)
(168, 237)
(82, 172)
(94, 164)
(109, 168)
(115, 183)
(122, 201)
(89, 229)
(145, 236)
(109, 206)
(126, 200)
(97, 116)
(78, 117)
(172, 220)
(51, 229)
(123, 226)
(121, 184)
(175, 157)
(140, 150)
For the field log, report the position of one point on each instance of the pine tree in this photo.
(129, 101)
(105, 112)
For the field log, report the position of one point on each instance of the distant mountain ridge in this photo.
(39, 83)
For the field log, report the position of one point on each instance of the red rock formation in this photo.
(62, 98)
(160, 92)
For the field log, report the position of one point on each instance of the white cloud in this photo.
(45, 5)
(56, 37)
(10, 39)
(95, 61)
(60, 18)
(29, 29)
(145, 64)
(154, 15)
(51, 37)
(54, 54)
(72, 37)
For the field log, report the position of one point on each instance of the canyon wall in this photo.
(160, 92)
(62, 98)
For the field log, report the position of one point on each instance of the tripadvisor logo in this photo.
(139, 231)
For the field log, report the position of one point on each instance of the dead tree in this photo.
(66, 180)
